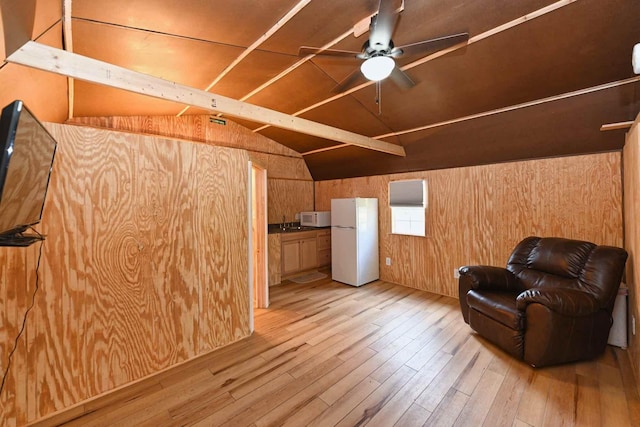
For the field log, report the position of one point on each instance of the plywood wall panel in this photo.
(144, 267)
(477, 215)
(193, 128)
(223, 307)
(287, 197)
(281, 167)
(631, 158)
(274, 259)
(282, 164)
(14, 298)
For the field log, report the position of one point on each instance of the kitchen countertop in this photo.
(277, 228)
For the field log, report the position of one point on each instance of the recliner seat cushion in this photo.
(499, 306)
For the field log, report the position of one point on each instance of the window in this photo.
(407, 200)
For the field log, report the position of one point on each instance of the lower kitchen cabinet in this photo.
(299, 252)
(294, 252)
(324, 247)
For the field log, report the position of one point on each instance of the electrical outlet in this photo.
(456, 273)
(388, 261)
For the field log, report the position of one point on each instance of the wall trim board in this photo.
(46, 58)
(631, 179)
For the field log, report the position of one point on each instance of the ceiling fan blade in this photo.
(430, 46)
(348, 82)
(401, 79)
(307, 50)
(382, 25)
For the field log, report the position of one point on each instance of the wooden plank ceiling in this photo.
(538, 78)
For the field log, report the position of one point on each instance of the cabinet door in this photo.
(290, 257)
(324, 240)
(324, 257)
(309, 253)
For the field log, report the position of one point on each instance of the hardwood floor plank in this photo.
(449, 409)
(534, 400)
(268, 372)
(355, 335)
(369, 407)
(505, 405)
(478, 405)
(224, 414)
(198, 408)
(561, 403)
(437, 312)
(406, 396)
(401, 325)
(306, 414)
(145, 407)
(470, 377)
(332, 394)
(587, 402)
(630, 388)
(613, 409)
(346, 403)
(436, 343)
(438, 388)
(416, 415)
(311, 384)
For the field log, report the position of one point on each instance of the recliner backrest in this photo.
(566, 263)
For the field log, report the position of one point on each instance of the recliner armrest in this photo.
(569, 302)
(489, 278)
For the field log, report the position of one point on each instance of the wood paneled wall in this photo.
(476, 215)
(631, 157)
(290, 186)
(145, 266)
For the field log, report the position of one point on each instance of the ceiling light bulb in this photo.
(377, 68)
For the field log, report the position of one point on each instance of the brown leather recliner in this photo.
(552, 303)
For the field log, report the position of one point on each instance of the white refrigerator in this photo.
(354, 241)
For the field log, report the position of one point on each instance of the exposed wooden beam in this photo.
(68, 46)
(320, 150)
(615, 126)
(69, 64)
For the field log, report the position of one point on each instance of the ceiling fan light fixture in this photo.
(377, 68)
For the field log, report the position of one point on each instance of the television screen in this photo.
(26, 159)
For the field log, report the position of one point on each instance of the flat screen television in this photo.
(27, 151)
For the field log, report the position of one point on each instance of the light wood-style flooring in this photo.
(329, 354)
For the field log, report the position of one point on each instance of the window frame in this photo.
(408, 206)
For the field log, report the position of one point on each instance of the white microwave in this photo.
(315, 219)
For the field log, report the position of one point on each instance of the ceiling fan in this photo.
(379, 51)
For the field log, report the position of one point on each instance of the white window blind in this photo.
(408, 201)
(407, 193)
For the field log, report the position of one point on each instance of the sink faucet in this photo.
(284, 224)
